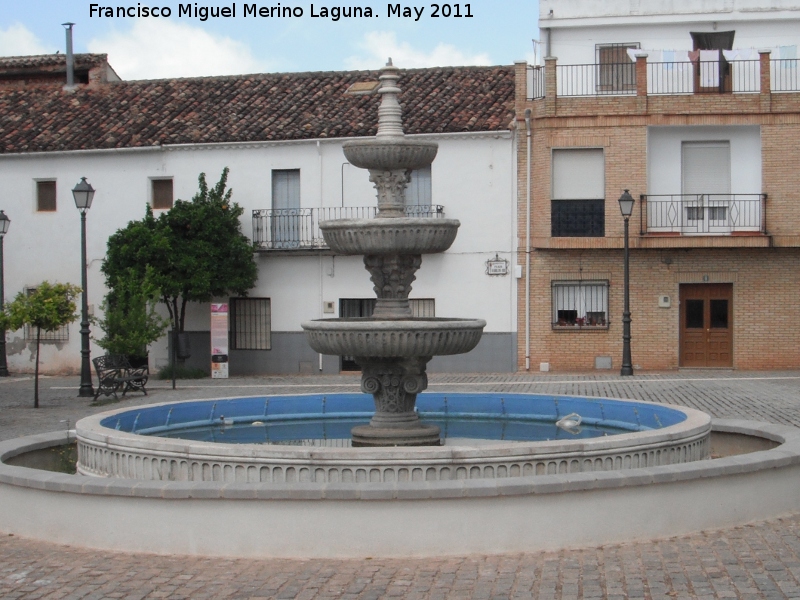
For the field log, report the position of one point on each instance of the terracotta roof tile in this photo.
(247, 108)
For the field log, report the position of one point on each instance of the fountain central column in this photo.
(392, 347)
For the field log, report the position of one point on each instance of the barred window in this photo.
(580, 304)
(251, 324)
(162, 194)
(45, 196)
(58, 335)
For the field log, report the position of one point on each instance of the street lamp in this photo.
(4, 223)
(626, 208)
(83, 194)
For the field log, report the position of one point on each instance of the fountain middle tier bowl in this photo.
(393, 339)
(390, 154)
(389, 235)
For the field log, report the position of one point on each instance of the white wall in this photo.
(573, 40)
(664, 156)
(473, 177)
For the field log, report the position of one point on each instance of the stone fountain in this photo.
(392, 346)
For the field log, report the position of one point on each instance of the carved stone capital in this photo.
(392, 276)
(391, 187)
(394, 384)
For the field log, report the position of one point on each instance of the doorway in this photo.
(706, 327)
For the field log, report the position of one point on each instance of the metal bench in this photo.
(114, 371)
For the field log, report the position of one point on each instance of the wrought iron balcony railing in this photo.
(298, 228)
(703, 214)
(666, 78)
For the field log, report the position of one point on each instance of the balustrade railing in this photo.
(703, 214)
(785, 74)
(607, 79)
(667, 78)
(298, 228)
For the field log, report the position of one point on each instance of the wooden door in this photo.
(706, 331)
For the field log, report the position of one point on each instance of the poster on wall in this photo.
(219, 341)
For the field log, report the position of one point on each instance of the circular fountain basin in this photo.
(390, 153)
(389, 235)
(393, 339)
(128, 443)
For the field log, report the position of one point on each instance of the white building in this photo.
(281, 137)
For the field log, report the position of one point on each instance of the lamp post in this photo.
(626, 208)
(4, 223)
(83, 194)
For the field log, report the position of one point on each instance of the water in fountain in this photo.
(392, 347)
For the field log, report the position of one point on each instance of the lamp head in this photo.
(626, 202)
(83, 194)
(4, 223)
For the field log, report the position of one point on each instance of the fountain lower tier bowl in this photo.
(389, 235)
(390, 154)
(405, 338)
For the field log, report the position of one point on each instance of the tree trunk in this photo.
(36, 370)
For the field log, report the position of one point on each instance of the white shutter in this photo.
(578, 174)
(706, 167)
(286, 188)
(418, 192)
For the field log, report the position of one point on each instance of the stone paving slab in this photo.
(758, 561)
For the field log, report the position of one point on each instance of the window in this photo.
(616, 70)
(162, 194)
(580, 304)
(45, 196)
(364, 307)
(287, 221)
(59, 335)
(418, 191)
(251, 324)
(578, 193)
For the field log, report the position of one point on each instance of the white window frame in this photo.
(153, 181)
(36, 183)
(587, 298)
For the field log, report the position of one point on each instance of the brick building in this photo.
(696, 110)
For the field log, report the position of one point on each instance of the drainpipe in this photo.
(321, 265)
(528, 241)
(70, 58)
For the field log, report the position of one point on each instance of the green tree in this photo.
(48, 308)
(130, 320)
(196, 250)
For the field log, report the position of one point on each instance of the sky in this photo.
(187, 45)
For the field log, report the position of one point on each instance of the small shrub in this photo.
(181, 373)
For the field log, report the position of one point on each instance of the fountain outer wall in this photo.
(392, 347)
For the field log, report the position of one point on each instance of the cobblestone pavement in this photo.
(761, 560)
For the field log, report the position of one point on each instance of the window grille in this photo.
(251, 324)
(58, 335)
(45, 196)
(580, 304)
(162, 194)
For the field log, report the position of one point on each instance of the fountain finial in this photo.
(390, 116)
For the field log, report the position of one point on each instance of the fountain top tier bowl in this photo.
(390, 153)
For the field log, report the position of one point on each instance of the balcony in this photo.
(703, 214)
(294, 229)
(642, 78)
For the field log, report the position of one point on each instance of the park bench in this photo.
(115, 371)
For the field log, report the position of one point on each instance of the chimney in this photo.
(70, 57)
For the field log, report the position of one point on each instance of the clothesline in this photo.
(672, 56)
